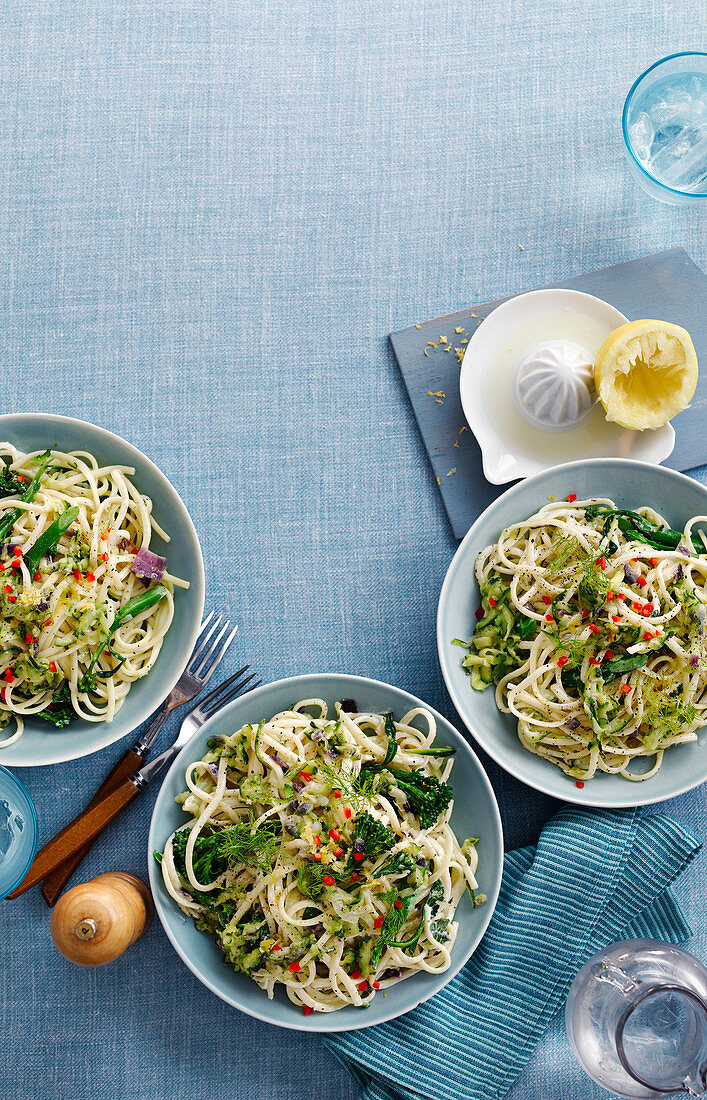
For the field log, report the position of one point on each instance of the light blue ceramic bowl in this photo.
(475, 813)
(631, 485)
(40, 742)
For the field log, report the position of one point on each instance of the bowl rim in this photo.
(490, 745)
(197, 583)
(686, 196)
(23, 793)
(322, 1022)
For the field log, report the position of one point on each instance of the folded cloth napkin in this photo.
(596, 876)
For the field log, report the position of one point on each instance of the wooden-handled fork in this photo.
(84, 829)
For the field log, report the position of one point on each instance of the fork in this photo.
(89, 824)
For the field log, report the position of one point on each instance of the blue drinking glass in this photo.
(18, 832)
(665, 129)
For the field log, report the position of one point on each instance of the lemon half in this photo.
(645, 373)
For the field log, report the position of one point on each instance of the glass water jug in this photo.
(636, 1018)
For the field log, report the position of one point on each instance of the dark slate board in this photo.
(666, 285)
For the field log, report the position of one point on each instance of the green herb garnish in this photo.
(236, 846)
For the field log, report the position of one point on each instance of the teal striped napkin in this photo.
(596, 876)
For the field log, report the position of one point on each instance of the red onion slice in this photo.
(148, 565)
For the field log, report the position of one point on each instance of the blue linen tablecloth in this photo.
(585, 885)
(211, 215)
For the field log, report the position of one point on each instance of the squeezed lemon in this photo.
(645, 373)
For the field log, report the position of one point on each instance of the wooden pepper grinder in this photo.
(94, 923)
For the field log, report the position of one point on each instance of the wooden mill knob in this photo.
(93, 923)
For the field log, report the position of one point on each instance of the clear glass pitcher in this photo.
(636, 1018)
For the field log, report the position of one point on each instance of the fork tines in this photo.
(226, 691)
(207, 667)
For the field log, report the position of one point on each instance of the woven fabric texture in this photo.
(595, 877)
(211, 217)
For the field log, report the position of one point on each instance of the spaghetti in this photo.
(80, 615)
(320, 853)
(592, 628)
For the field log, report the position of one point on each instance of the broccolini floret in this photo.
(400, 863)
(372, 839)
(425, 795)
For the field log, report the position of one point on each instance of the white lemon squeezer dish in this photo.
(527, 387)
